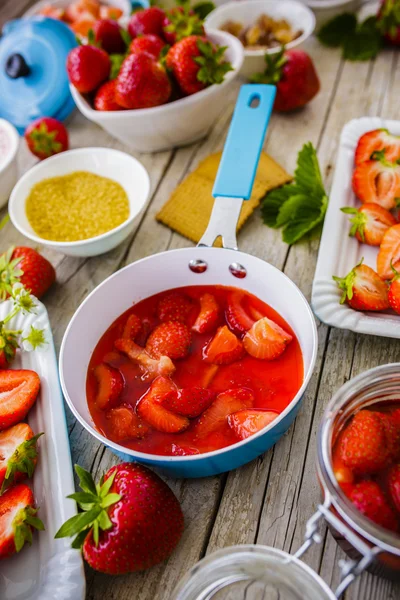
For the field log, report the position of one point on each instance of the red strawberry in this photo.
(139, 520)
(370, 223)
(110, 386)
(389, 253)
(18, 392)
(105, 97)
(266, 340)
(394, 485)
(378, 140)
(196, 64)
(189, 402)
(132, 328)
(248, 422)
(388, 21)
(169, 339)
(394, 293)
(363, 444)
(107, 33)
(17, 519)
(237, 318)
(225, 404)
(208, 316)
(124, 424)
(6, 357)
(18, 454)
(177, 450)
(8, 346)
(180, 22)
(370, 500)
(224, 348)
(161, 418)
(174, 306)
(149, 20)
(46, 136)
(344, 475)
(150, 43)
(161, 390)
(38, 273)
(87, 67)
(363, 289)
(142, 82)
(377, 182)
(151, 367)
(392, 435)
(295, 77)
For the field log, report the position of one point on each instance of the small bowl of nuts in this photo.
(263, 27)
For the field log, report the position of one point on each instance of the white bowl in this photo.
(299, 16)
(325, 10)
(119, 166)
(124, 5)
(175, 124)
(8, 164)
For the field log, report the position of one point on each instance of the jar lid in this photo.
(33, 76)
(252, 571)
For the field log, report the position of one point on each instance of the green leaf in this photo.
(307, 174)
(77, 542)
(306, 218)
(84, 497)
(116, 64)
(362, 46)
(125, 37)
(288, 210)
(105, 487)
(110, 500)
(104, 521)
(202, 9)
(4, 221)
(334, 33)
(273, 201)
(35, 522)
(85, 480)
(78, 522)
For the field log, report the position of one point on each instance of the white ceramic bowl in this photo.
(175, 124)
(124, 5)
(299, 16)
(8, 161)
(325, 10)
(119, 166)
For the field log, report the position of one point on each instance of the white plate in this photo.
(49, 569)
(339, 253)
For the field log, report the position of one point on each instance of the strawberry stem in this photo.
(274, 70)
(22, 525)
(346, 283)
(22, 461)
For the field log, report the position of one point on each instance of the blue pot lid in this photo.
(33, 76)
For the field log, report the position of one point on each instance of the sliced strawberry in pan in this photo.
(208, 316)
(110, 386)
(389, 253)
(174, 306)
(151, 367)
(224, 405)
(171, 338)
(132, 328)
(161, 418)
(247, 422)
(237, 318)
(369, 223)
(363, 289)
(190, 402)
(125, 424)
(378, 182)
(378, 140)
(18, 392)
(266, 340)
(162, 390)
(224, 349)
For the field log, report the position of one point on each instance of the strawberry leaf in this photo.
(202, 9)
(75, 524)
(85, 480)
(305, 218)
(273, 201)
(116, 64)
(77, 542)
(335, 32)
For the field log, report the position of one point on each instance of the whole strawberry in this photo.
(87, 67)
(149, 20)
(295, 77)
(105, 97)
(388, 21)
(180, 22)
(368, 498)
(107, 33)
(46, 136)
(27, 266)
(139, 520)
(142, 82)
(196, 64)
(150, 43)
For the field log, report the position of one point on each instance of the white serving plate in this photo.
(339, 253)
(49, 569)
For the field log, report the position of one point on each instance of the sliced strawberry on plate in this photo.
(394, 292)
(17, 519)
(363, 289)
(369, 223)
(124, 424)
(378, 182)
(110, 386)
(237, 318)
(247, 422)
(161, 418)
(18, 454)
(225, 404)
(208, 317)
(394, 485)
(224, 348)
(266, 340)
(18, 392)
(378, 140)
(190, 402)
(171, 339)
(150, 367)
(174, 306)
(389, 253)
(369, 499)
(132, 328)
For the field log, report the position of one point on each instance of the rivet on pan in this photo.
(198, 266)
(238, 270)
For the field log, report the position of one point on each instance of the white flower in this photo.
(35, 337)
(23, 300)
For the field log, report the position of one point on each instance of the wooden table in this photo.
(269, 500)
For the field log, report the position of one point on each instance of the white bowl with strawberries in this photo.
(166, 88)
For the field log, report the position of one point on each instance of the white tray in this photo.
(49, 569)
(338, 253)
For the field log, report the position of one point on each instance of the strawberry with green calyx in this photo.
(131, 521)
(394, 291)
(363, 289)
(17, 519)
(180, 22)
(46, 136)
(388, 21)
(18, 454)
(377, 181)
(142, 82)
(26, 266)
(8, 345)
(295, 77)
(10, 272)
(196, 64)
(369, 223)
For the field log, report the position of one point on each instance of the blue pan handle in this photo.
(243, 145)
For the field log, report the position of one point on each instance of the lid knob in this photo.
(16, 66)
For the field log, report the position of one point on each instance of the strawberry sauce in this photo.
(274, 383)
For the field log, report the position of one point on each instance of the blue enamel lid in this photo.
(33, 76)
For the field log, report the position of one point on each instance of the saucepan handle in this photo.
(243, 145)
